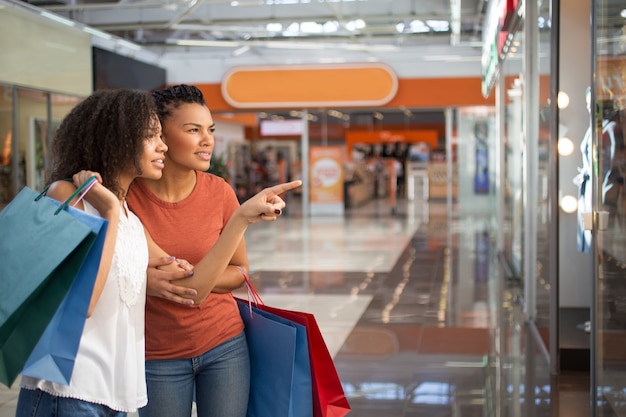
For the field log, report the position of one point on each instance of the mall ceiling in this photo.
(244, 32)
(256, 26)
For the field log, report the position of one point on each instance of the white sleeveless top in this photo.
(109, 366)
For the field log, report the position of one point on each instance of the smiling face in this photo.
(188, 133)
(152, 159)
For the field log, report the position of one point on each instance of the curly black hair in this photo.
(172, 97)
(103, 133)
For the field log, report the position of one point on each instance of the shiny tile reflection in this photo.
(413, 309)
(336, 315)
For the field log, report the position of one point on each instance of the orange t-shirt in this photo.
(187, 229)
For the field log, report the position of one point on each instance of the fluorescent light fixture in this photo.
(436, 25)
(314, 45)
(58, 18)
(355, 25)
(97, 33)
(201, 42)
(241, 51)
(294, 45)
(274, 27)
(281, 45)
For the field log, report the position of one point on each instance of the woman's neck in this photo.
(173, 187)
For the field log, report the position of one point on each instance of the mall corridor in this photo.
(413, 308)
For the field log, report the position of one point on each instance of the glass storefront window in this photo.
(28, 121)
(608, 232)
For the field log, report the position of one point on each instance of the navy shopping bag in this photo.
(329, 399)
(44, 246)
(280, 382)
(54, 355)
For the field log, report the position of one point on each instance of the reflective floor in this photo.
(413, 308)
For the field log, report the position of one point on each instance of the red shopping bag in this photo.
(329, 399)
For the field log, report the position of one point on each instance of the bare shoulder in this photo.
(61, 190)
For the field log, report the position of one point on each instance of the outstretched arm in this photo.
(232, 278)
(264, 206)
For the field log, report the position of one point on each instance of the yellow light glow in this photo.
(565, 146)
(569, 204)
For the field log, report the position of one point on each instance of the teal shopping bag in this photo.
(54, 355)
(42, 247)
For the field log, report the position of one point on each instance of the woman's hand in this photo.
(98, 196)
(162, 271)
(266, 205)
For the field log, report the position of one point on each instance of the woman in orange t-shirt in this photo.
(197, 351)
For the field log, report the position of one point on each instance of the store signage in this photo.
(501, 23)
(326, 179)
(281, 127)
(305, 86)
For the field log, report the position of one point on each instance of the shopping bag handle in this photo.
(253, 295)
(79, 193)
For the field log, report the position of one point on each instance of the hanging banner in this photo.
(327, 180)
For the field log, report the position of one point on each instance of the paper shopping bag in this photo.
(44, 247)
(280, 381)
(54, 355)
(329, 399)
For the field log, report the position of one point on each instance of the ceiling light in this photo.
(355, 25)
(417, 26)
(202, 42)
(565, 146)
(274, 27)
(438, 25)
(241, 51)
(311, 27)
(58, 18)
(97, 33)
(331, 26)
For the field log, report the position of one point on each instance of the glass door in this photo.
(607, 223)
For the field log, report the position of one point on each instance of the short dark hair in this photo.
(171, 97)
(103, 133)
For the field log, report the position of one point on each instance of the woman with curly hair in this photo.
(198, 351)
(116, 136)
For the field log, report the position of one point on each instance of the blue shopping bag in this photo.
(280, 368)
(54, 355)
(328, 396)
(44, 246)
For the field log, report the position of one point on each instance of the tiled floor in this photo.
(412, 307)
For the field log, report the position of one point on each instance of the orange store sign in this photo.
(309, 86)
(326, 179)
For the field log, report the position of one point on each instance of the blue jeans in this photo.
(36, 403)
(218, 380)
